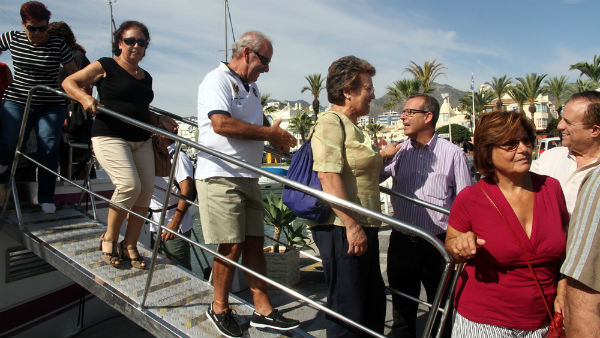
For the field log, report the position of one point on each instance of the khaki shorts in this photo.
(231, 209)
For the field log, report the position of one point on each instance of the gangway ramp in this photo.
(177, 299)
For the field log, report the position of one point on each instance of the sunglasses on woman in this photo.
(133, 41)
(37, 28)
(513, 144)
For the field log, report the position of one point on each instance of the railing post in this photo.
(162, 221)
(13, 169)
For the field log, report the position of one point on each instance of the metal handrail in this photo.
(288, 157)
(397, 225)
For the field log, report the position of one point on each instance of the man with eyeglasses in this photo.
(434, 170)
(231, 121)
(576, 166)
(580, 150)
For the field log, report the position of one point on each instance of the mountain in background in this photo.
(377, 104)
(455, 95)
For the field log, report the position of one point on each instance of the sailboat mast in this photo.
(112, 25)
(225, 20)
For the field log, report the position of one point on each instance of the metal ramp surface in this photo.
(176, 302)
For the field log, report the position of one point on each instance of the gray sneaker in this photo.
(273, 321)
(224, 322)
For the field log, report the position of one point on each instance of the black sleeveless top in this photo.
(121, 92)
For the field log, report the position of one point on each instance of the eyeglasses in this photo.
(132, 42)
(513, 144)
(412, 112)
(263, 59)
(37, 28)
(370, 89)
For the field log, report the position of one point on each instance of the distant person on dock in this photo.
(177, 217)
(579, 129)
(434, 170)
(123, 150)
(348, 165)
(37, 57)
(230, 120)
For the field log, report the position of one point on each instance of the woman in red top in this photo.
(497, 295)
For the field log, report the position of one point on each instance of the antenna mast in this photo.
(113, 28)
(225, 20)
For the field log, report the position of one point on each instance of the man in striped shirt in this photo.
(434, 170)
(582, 262)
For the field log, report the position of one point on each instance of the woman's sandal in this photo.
(137, 261)
(110, 258)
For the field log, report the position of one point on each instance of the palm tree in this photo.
(483, 97)
(532, 87)
(557, 86)
(401, 91)
(426, 74)
(591, 70)
(583, 85)
(516, 93)
(499, 87)
(301, 124)
(374, 128)
(264, 98)
(315, 85)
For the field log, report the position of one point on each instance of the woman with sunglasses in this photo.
(123, 150)
(510, 218)
(36, 58)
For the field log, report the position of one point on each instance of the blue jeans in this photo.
(48, 123)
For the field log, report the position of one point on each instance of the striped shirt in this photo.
(582, 261)
(435, 173)
(34, 65)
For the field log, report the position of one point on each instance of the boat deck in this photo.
(177, 299)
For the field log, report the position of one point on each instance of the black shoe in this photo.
(273, 321)
(224, 322)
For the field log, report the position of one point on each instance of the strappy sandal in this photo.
(137, 261)
(110, 258)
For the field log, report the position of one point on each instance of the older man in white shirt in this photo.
(572, 163)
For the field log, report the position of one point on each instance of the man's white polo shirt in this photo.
(223, 90)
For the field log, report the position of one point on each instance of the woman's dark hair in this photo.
(495, 128)
(125, 26)
(34, 10)
(343, 74)
(63, 31)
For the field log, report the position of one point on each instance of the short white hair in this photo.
(252, 39)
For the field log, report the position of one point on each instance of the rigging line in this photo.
(230, 22)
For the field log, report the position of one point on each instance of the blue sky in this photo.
(487, 38)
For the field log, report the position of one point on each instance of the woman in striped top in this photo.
(36, 60)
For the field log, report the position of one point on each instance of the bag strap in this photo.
(312, 130)
(523, 253)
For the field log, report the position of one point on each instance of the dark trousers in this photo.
(177, 249)
(412, 261)
(355, 286)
